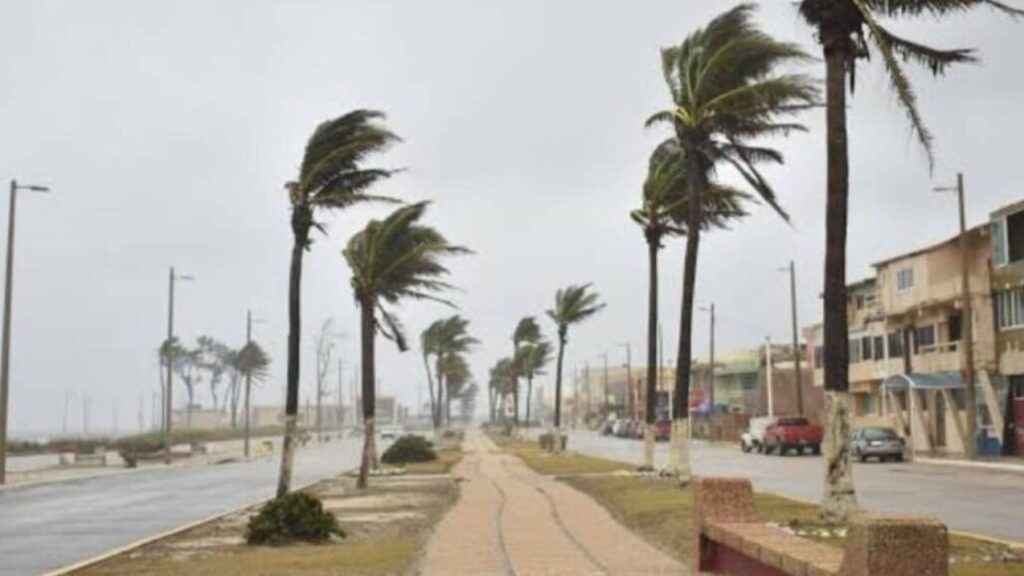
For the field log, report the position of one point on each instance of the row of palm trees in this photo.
(732, 86)
(391, 259)
(448, 341)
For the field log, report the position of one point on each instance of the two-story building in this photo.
(1008, 297)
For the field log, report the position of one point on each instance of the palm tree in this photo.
(251, 363)
(428, 346)
(726, 91)
(663, 214)
(456, 376)
(392, 259)
(331, 178)
(530, 361)
(573, 305)
(527, 332)
(502, 380)
(850, 30)
(451, 337)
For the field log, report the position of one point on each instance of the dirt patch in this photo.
(387, 527)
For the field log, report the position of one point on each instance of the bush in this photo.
(296, 517)
(409, 448)
(547, 441)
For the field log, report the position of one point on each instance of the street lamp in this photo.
(5, 355)
(633, 400)
(173, 277)
(966, 329)
(791, 269)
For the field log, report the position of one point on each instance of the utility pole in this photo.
(633, 400)
(64, 421)
(711, 356)
(796, 340)
(341, 397)
(172, 278)
(590, 391)
(966, 322)
(5, 355)
(604, 355)
(575, 397)
(249, 321)
(768, 367)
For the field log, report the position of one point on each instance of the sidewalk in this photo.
(1008, 465)
(510, 520)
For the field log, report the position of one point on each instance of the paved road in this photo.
(981, 501)
(52, 525)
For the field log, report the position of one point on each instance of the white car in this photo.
(390, 433)
(753, 439)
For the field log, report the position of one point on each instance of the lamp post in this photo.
(796, 338)
(966, 323)
(604, 357)
(5, 355)
(173, 277)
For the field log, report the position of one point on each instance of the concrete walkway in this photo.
(511, 521)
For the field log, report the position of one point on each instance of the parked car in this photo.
(607, 428)
(619, 428)
(662, 430)
(639, 429)
(627, 431)
(390, 433)
(753, 439)
(878, 442)
(793, 434)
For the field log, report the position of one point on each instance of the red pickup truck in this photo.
(793, 434)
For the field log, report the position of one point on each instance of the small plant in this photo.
(547, 442)
(409, 448)
(295, 517)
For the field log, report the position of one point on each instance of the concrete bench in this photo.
(732, 540)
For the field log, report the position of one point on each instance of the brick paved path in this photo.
(511, 521)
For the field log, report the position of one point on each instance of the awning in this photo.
(932, 381)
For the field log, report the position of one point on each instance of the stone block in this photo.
(886, 545)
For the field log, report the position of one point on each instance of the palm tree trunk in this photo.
(680, 442)
(839, 498)
(653, 242)
(301, 220)
(367, 308)
(556, 434)
(430, 386)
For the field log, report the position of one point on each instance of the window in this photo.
(865, 348)
(924, 337)
(999, 242)
(955, 327)
(904, 279)
(879, 348)
(854, 350)
(1010, 308)
(895, 344)
(1015, 236)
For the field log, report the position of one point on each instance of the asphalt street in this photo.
(981, 501)
(48, 526)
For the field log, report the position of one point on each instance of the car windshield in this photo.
(879, 434)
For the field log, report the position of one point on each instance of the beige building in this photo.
(906, 358)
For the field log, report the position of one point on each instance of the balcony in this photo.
(944, 357)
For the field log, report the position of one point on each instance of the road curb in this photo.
(166, 534)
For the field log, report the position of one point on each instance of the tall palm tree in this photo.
(573, 305)
(331, 177)
(850, 30)
(530, 361)
(726, 91)
(502, 380)
(392, 259)
(527, 332)
(456, 376)
(663, 214)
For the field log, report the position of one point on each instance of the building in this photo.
(905, 333)
(1008, 295)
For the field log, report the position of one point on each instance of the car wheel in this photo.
(759, 447)
(899, 457)
(816, 449)
(782, 449)
(744, 447)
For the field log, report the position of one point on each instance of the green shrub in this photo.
(409, 448)
(295, 517)
(546, 441)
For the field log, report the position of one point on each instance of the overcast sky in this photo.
(166, 131)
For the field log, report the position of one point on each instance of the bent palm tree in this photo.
(527, 332)
(726, 91)
(456, 375)
(502, 380)
(449, 336)
(843, 29)
(530, 361)
(331, 178)
(428, 346)
(251, 363)
(573, 305)
(663, 214)
(391, 260)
